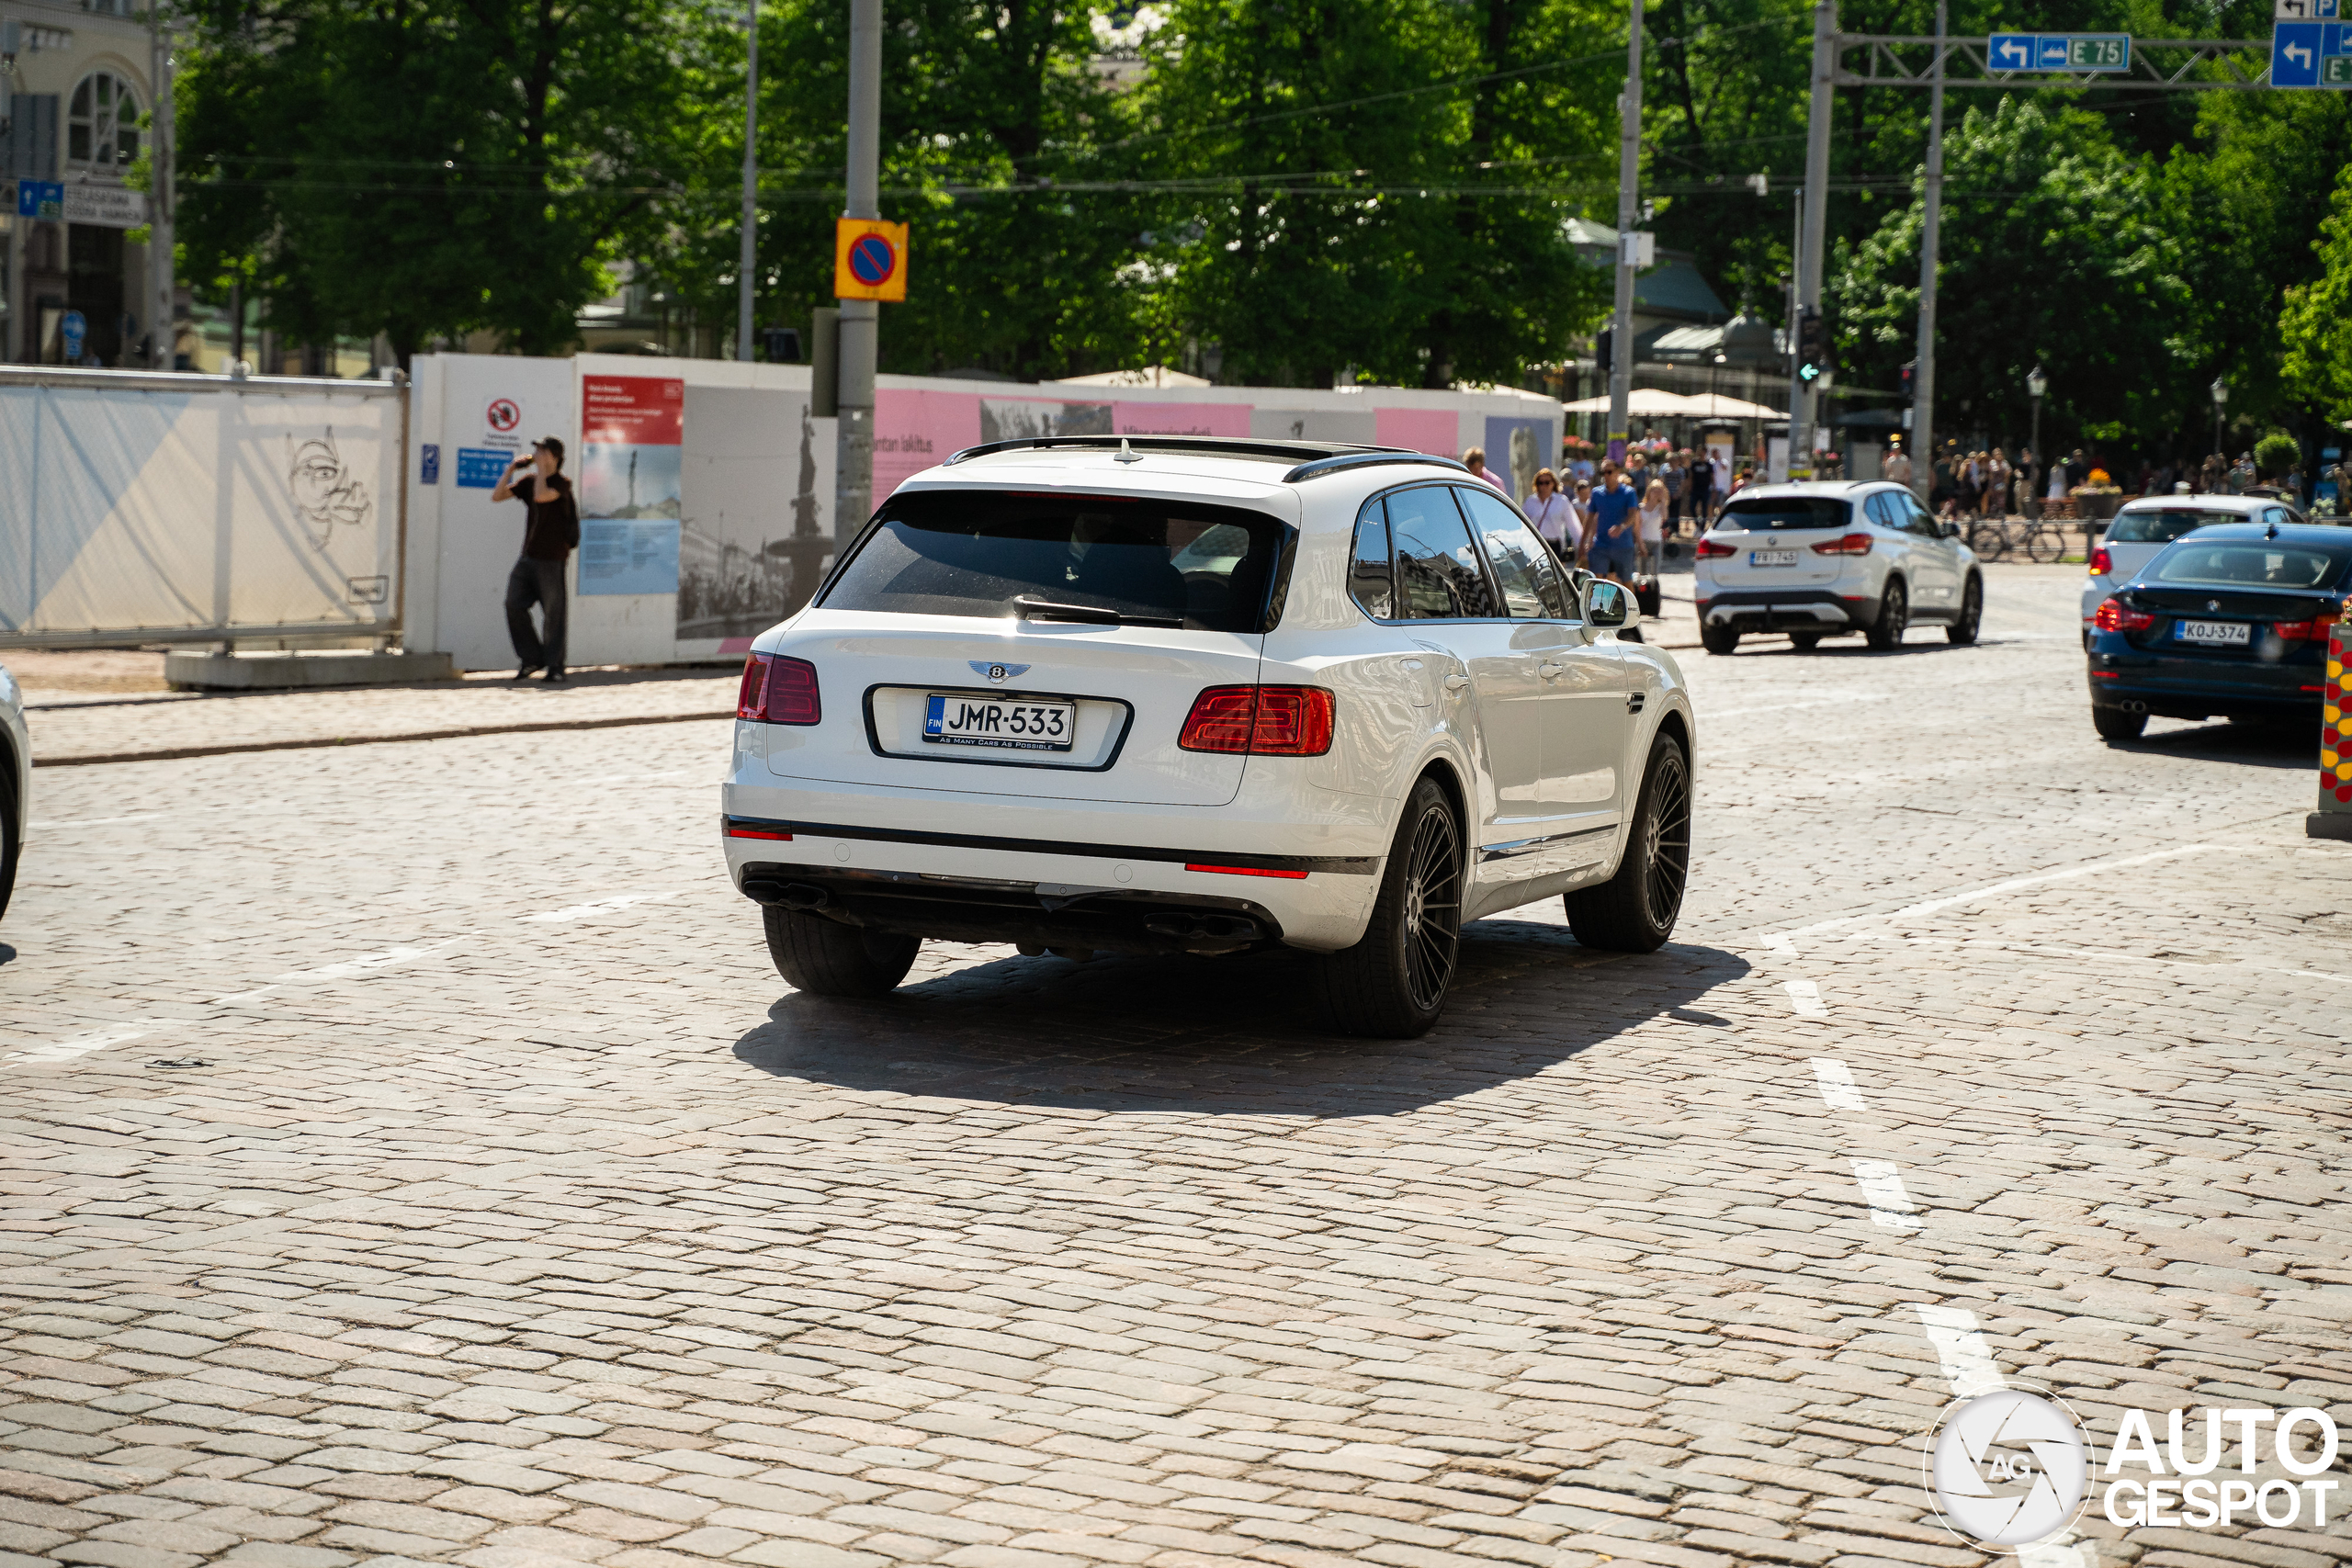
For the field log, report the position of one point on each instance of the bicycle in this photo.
(2044, 542)
(1988, 538)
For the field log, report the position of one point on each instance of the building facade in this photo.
(76, 92)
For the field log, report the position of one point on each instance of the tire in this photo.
(2114, 724)
(1893, 616)
(826, 958)
(1718, 639)
(2045, 544)
(1391, 985)
(1805, 642)
(1634, 911)
(11, 850)
(1963, 632)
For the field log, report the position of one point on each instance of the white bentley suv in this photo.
(1176, 694)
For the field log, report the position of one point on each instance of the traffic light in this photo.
(1603, 349)
(1910, 372)
(1813, 346)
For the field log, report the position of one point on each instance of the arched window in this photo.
(101, 126)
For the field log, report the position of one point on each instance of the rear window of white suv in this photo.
(1785, 511)
(937, 552)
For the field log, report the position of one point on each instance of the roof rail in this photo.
(1300, 452)
(1344, 461)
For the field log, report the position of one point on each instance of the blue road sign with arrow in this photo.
(2310, 54)
(2007, 52)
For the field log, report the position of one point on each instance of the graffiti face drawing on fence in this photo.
(324, 492)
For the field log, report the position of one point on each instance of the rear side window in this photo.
(2155, 526)
(974, 552)
(1370, 580)
(1787, 512)
(1438, 574)
(2250, 563)
(1523, 567)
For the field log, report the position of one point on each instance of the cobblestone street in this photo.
(410, 1155)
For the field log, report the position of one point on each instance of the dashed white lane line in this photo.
(600, 907)
(74, 1045)
(1805, 997)
(366, 962)
(1970, 1370)
(1837, 1085)
(92, 821)
(1783, 943)
(1881, 1184)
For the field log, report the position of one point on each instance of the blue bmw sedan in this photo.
(2231, 620)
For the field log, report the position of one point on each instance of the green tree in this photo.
(2052, 251)
(2316, 326)
(422, 168)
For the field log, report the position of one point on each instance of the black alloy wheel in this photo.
(1893, 616)
(1392, 985)
(1963, 632)
(1634, 911)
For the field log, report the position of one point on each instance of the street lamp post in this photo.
(2221, 397)
(2036, 384)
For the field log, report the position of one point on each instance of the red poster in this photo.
(632, 410)
(1435, 431)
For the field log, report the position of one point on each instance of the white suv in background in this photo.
(1155, 694)
(2146, 524)
(1815, 560)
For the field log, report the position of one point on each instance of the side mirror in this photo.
(1604, 604)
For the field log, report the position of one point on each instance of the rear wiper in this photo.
(1030, 609)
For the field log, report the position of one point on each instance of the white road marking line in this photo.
(1959, 1345)
(363, 964)
(1970, 1368)
(92, 821)
(1837, 1085)
(1881, 1184)
(1783, 941)
(1786, 708)
(1805, 997)
(74, 1045)
(600, 907)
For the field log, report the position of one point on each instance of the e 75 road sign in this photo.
(2061, 51)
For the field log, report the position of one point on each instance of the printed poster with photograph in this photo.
(632, 434)
(757, 532)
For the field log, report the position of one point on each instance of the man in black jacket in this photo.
(550, 533)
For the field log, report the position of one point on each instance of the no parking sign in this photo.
(869, 259)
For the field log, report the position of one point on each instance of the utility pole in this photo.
(750, 263)
(854, 443)
(1629, 179)
(1923, 383)
(162, 156)
(1813, 230)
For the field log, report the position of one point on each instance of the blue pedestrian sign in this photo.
(40, 198)
(2008, 52)
(2310, 54)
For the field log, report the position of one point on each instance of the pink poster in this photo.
(1434, 431)
(1179, 419)
(914, 430)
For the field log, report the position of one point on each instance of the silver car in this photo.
(2150, 523)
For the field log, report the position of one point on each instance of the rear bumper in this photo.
(1787, 609)
(2171, 694)
(1057, 874)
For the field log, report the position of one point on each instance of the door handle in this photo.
(1455, 683)
(1550, 670)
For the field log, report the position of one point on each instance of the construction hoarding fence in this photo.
(191, 509)
(2334, 817)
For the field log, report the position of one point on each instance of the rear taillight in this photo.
(2115, 615)
(1265, 721)
(1715, 549)
(1844, 545)
(2102, 564)
(777, 690)
(2313, 630)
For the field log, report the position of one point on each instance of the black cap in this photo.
(553, 445)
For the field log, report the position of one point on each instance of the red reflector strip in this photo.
(1248, 871)
(2107, 674)
(2311, 688)
(733, 832)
